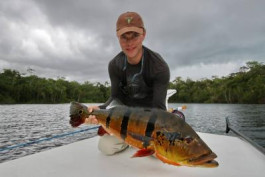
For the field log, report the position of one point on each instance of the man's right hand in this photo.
(91, 119)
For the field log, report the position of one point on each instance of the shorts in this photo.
(110, 145)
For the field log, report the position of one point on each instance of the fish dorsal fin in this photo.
(114, 103)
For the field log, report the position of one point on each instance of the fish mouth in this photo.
(206, 160)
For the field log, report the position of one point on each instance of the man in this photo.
(139, 77)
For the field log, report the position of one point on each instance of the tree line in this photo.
(245, 86)
(16, 88)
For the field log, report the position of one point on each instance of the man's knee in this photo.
(110, 145)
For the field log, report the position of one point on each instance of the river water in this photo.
(23, 123)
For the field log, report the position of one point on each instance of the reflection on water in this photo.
(23, 123)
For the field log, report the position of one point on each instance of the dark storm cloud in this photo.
(76, 39)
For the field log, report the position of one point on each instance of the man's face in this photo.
(131, 44)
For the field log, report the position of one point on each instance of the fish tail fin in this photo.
(75, 107)
(78, 113)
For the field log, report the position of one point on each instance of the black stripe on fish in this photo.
(124, 124)
(149, 129)
(150, 125)
(109, 118)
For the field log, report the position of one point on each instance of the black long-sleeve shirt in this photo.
(155, 74)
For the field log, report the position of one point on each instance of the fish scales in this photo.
(123, 122)
(162, 122)
(172, 139)
(139, 128)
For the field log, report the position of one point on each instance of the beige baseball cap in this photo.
(129, 21)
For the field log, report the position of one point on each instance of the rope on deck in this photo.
(45, 139)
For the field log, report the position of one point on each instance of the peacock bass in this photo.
(156, 131)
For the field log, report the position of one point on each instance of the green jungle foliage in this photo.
(31, 89)
(245, 86)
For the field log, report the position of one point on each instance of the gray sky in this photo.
(76, 39)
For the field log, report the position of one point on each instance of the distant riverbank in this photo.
(246, 86)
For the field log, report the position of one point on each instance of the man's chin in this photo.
(132, 53)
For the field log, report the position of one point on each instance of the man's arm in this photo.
(161, 83)
(114, 80)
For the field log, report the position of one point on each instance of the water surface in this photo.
(29, 122)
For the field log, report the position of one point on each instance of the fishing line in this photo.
(45, 139)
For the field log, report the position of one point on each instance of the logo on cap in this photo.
(129, 19)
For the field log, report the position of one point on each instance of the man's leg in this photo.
(110, 145)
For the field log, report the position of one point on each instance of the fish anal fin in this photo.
(165, 160)
(102, 131)
(143, 153)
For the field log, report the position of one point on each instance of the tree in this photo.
(245, 86)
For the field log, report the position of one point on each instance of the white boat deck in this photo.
(80, 159)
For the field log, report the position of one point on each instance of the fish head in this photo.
(78, 114)
(176, 149)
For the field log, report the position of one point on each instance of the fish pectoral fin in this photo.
(143, 153)
(146, 140)
(102, 131)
